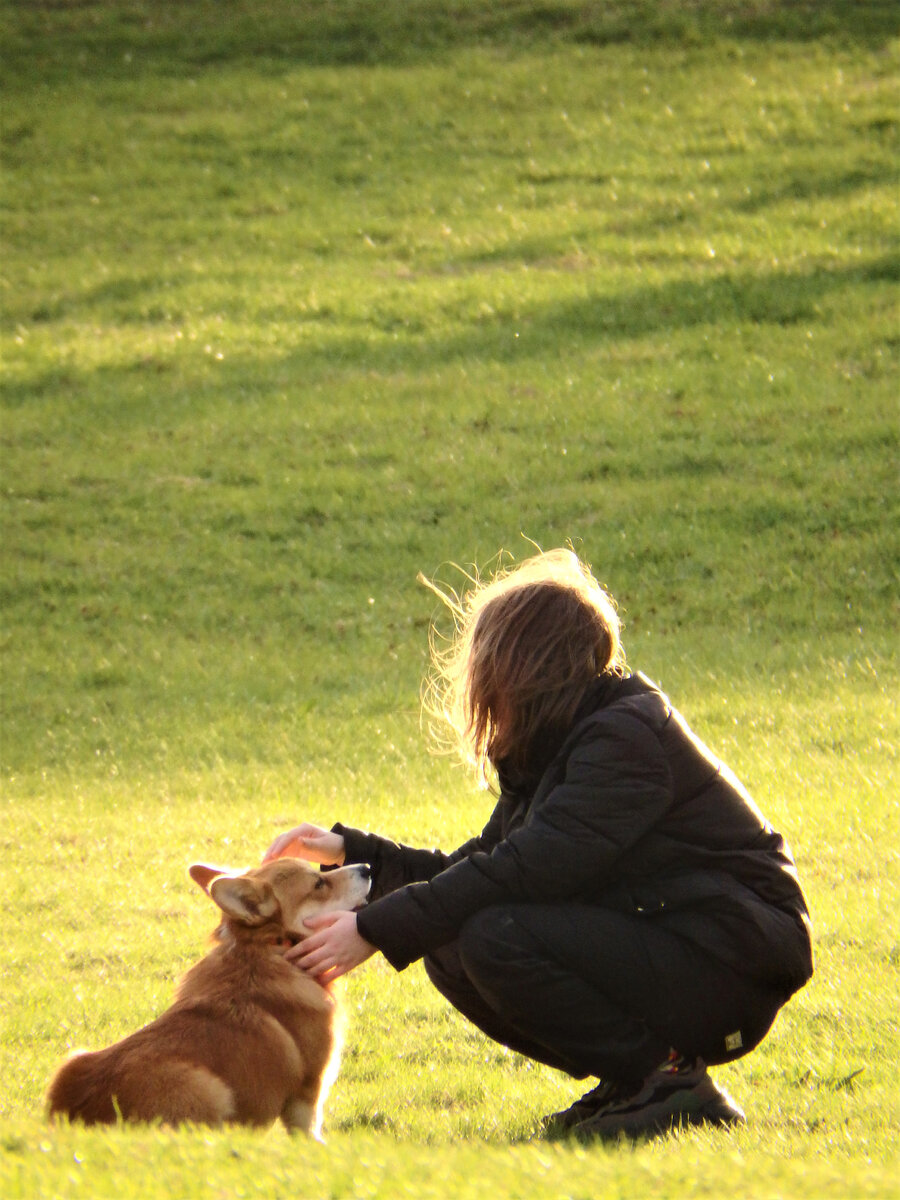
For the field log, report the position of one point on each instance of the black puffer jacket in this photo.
(633, 813)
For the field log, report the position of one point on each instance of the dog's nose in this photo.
(365, 871)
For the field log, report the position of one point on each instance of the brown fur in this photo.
(250, 1037)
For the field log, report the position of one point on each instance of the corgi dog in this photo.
(250, 1038)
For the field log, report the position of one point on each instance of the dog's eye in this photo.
(320, 883)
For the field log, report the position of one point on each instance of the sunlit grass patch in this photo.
(298, 303)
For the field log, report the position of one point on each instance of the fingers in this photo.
(333, 949)
(309, 842)
(316, 948)
(295, 841)
(316, 960)
(277, 848)
(323, 920)
(330, 976)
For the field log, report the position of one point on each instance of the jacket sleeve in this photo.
(395, 865)
(615, 786)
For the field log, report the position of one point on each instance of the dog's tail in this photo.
(80, 1091)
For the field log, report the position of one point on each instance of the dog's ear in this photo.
(251, 901)
(203, 874)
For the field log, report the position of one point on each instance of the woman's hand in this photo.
(309, 842)
(334, 948)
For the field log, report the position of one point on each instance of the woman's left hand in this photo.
(334, 948)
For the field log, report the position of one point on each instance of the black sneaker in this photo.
(670, 1096)
(590, 1103)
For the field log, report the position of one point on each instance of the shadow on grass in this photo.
(547, 330)
(113, 39)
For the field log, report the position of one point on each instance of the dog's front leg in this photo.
(303, 1115)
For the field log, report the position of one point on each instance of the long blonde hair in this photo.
(526, 643)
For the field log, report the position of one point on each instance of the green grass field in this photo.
(299, 299)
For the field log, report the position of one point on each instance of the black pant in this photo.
(595, 992)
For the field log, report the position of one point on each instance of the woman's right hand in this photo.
(310, 842)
